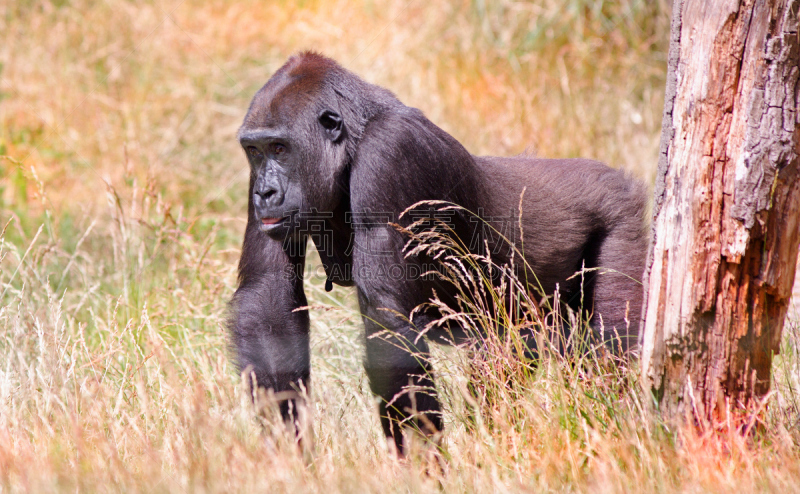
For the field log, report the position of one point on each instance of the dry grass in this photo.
(122, 203)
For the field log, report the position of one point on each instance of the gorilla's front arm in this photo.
(396, 359)
(392, 172)
(269, 335)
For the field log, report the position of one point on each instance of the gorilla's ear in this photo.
(332, 123)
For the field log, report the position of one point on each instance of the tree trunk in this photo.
(727, 206)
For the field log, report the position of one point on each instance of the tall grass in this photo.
(122, 206)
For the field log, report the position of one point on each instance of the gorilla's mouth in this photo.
(268, 224)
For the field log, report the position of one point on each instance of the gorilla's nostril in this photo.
(266, 194)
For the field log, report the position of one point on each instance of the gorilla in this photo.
(336, 159)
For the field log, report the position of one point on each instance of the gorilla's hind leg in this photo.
(617, 287)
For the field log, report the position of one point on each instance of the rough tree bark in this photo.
(727, 208)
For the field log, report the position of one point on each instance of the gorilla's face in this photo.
(294, 141)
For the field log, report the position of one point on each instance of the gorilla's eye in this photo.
(254, 153)
(277, 149)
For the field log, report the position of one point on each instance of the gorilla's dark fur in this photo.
(325, 146)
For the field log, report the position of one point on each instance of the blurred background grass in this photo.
(123, 202)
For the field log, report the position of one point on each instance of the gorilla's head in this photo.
(295, 137)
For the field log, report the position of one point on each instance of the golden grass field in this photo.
(122, 207)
